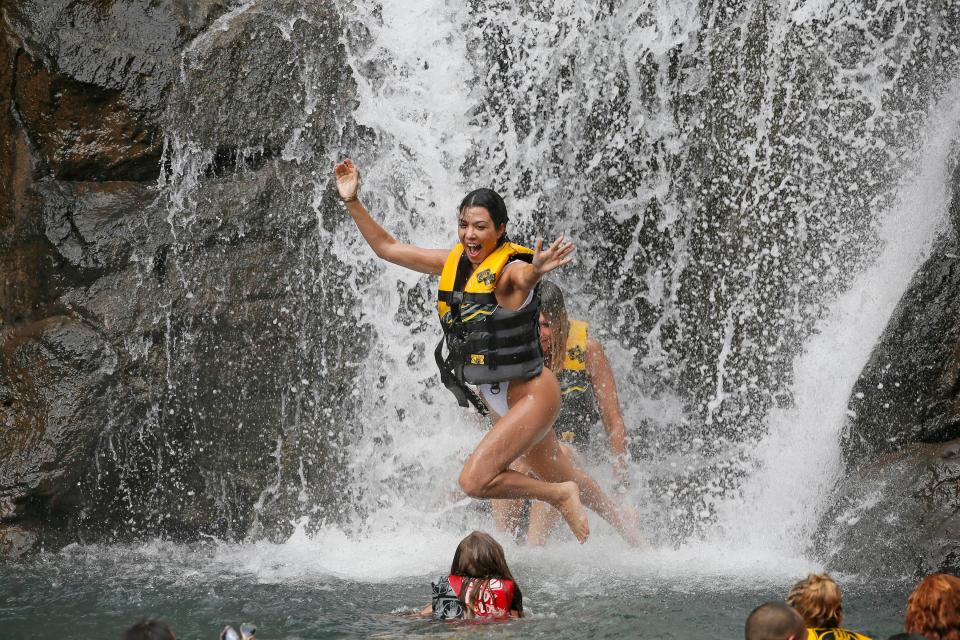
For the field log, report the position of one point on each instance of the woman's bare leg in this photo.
(551, 462)
(507, 514)
(534, 405)
(543, 519)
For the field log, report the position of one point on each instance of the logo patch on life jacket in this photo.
(486, 277)
(577, 354)
(476, 358)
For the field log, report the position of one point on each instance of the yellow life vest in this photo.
(578, 412)
(486, 343)
(835, 633)
(576, 356)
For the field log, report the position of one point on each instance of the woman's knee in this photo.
(471, 483)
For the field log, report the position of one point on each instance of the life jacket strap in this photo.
(448, 376)
(460, 297)
(491, 359)
(476, 345)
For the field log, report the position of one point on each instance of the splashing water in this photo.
(722, 200)
(800, 459)
(731, 176)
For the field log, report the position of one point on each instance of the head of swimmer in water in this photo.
(554, 325)
(817, 599)
(482, 224)
(480, 556)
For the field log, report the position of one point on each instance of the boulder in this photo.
(909, 390)
(898, 515)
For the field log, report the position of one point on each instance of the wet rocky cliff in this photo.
(155, 378)
(897, 511)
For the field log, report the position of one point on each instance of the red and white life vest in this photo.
(494, 599)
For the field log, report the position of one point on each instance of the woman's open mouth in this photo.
(473, 250)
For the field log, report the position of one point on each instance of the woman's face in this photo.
(478, 234)
(546, 337)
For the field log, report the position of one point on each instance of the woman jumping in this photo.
(489, 309)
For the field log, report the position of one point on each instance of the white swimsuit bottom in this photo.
(497, 400)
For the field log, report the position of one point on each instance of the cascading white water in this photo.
(409, 65)
(445, 118)
(798, 462)
(721, 199)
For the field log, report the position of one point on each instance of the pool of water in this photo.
(331, 586)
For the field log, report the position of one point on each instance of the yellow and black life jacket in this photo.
(486, 343)
(578, 412)
(835, 633)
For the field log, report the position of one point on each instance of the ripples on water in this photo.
(334, 585)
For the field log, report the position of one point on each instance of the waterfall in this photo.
(732, 176)
(799, 460)
(728, 175)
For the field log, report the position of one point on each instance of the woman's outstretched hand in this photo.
(348, 180)
(556, 255)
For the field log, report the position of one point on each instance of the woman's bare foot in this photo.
(568, 504)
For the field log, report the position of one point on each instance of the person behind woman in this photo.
(588, 390)
(489, 313)
(480, 584)
(817, 599)
(586, 379)
(589, 395)
(933, 609)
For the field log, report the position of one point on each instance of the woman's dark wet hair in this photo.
(479, 557)
(555, 311)
(492, 202)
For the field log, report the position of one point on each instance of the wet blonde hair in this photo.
(555, 311)
(817, 599)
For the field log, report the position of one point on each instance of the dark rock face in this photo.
(897, 511)
(898, 515)
(82, 131)
(910, 388)
(177, 343)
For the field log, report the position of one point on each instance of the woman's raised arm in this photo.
(520, 279)
(379, 239)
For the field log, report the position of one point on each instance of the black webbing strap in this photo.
(477, 345)
(530, 353)
(464, 394)
(519, 318)
(460, 297)
(491, 359)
